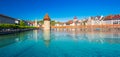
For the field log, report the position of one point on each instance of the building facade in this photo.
(8, 20)
(111, 19)
(98, 20)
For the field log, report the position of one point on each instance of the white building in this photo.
(73, 24)
(64, 24)
(112, 19)
(57, 24)
(95, 20)
(35, 24)
(111, 22)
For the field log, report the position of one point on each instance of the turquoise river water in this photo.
(38, 43)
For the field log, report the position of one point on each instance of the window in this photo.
(115, 22)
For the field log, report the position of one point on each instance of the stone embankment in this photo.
(9, 31)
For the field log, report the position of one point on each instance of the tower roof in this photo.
(46, 17)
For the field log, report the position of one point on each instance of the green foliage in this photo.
(22, 23)
(4, 26)
(53, 23)
(41, 22)
(8, 26)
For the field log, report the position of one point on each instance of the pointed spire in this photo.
(46, 17)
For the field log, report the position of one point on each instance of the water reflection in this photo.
(4, 41)
(74, 34)
(93, 36)
(102, 37)
(46, 37)
(9, 39)
(60, 34)
(35, 35)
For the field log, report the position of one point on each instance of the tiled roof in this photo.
(112, 17)
(47, 17)
(116, 16)
(70, 22)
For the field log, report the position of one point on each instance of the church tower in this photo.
(35, 23)
(46, 22)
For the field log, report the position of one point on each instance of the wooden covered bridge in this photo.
(115, 27)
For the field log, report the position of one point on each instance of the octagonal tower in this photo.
(46, 22)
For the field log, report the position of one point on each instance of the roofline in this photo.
(7, 17)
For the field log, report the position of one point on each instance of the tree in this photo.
(41, 22)
(22, 23)
(53, 23)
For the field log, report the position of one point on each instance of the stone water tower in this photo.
(46, 22)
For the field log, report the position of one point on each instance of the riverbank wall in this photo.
(10, 31)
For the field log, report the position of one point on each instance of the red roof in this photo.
(31, 22)
(112, 17)
(116, 16)
(70, 22)
(47, 17)
(108, 17)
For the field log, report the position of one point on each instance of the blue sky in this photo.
(61, 10)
